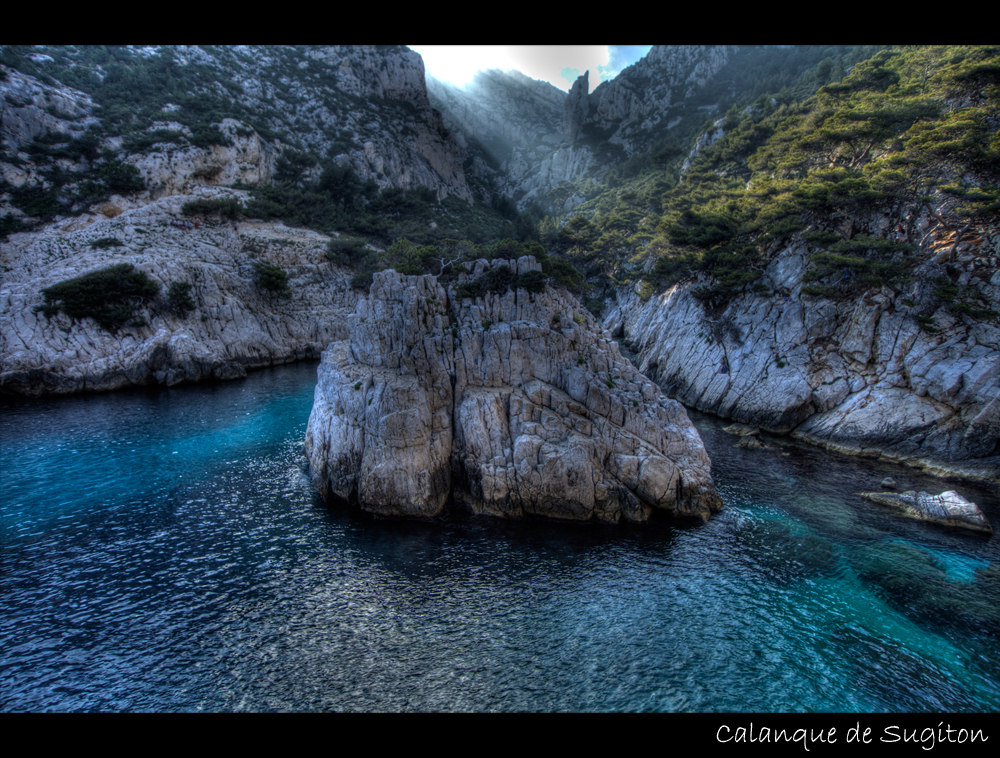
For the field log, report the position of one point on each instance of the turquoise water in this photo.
(163, 551)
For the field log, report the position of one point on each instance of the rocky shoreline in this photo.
(235, 326)
(858, 375)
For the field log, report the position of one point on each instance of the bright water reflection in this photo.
(163, 551)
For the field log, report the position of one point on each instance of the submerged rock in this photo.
(750, 442)
(511, 404)
(742, 430)
(948, 508)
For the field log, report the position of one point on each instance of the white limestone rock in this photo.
(512, 404)
(858, 375)
(948, 508)
(234, 328)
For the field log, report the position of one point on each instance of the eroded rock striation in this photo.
(511, 404)
(856, 375)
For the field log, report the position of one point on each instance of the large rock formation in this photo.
(234, 327)
(512, 404)
(638, 102)
(576, 108)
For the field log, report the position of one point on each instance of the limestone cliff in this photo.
(511, 404)
(857, 375)
(534, 137)
(365, 106)
(638, 102)
(235, 326)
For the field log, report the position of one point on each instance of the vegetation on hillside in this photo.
(450, 257)
(907, 132)
(845, 147)
(110, 296)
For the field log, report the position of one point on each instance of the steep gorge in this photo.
(891, 372)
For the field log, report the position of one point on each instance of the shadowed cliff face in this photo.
(512, 404)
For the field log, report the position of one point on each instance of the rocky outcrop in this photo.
(666, 75)
(375, 98)
(638, 102)
(576, 108)
(707, 139)
(234, 327)
(858, 375)
(168, 169)
(30, 109)
(511, 404)
(947, 509)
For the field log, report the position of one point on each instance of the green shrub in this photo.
(120, 177)
(106, 242)
(109, 296)
(363, 281)
(140, 143)
(8, 225)
(532, 281)
(203, 135)
(224, 207)
(271, 278)
(179, 297)
(35, 200)
(346, 251)
(499, 280)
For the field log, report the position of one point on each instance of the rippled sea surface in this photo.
(163, 551)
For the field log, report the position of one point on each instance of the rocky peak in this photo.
(644, 92)
(382, 71)
(512, 404)
(576, 107)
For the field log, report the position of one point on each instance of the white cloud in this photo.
(458, 63)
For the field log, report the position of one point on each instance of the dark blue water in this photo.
(163, 551)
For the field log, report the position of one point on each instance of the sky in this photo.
(559, 65)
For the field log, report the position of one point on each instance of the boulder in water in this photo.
(948, 508)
